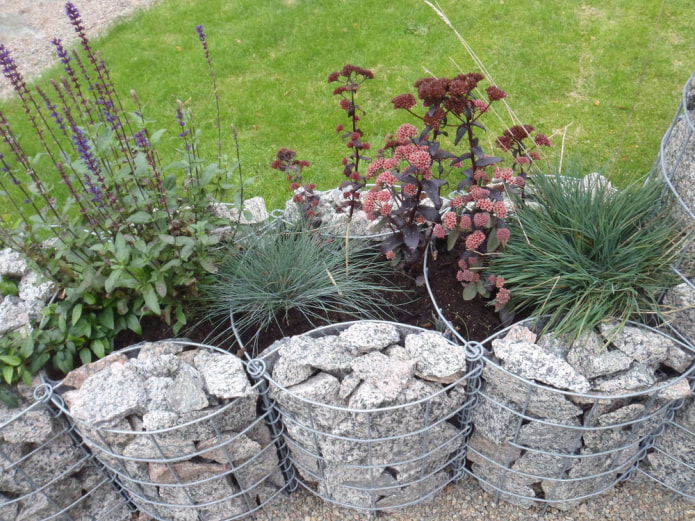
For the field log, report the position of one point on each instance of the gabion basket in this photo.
(45, 470)
(679, 306)
(402, 445)
(676, 166)
(670, 459)
(211, 461)
(534, 444)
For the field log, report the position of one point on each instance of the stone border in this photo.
(375, 413)
(46, 471)
(179, 428)
(573, 437)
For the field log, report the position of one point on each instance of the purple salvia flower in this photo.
(11, 72)
(62, 53)
(180, 119)
(85, 151)
(141, 139)
(76, 21)
(204, 42)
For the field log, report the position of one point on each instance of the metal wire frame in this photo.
(573, 473)
(434, 462)
(676, 328)
(245, 489)
(669, 166)
(678, 470)
(64, 509)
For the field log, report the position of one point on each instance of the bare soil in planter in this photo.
(474, 320)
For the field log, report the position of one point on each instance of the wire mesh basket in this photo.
(179, 428)
(678, 304)
(364, 426)
(676, 166)
(670, 460)
(45, 470)
(533, 443)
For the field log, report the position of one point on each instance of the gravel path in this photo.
(27, 28)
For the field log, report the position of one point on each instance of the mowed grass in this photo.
(605, 77)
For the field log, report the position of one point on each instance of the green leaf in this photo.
(470, 292)
(151, 300)
(140, 218)
(451, 239)
(8, 373)
(85, 355)
(208, 265)
(8, 398)
(482, 291)
(11, 360)
(106, 318)
(112, 279)
(133, 323)
(121, 251)
(99, 346)
(26, 377)
(492, 241)
(188, 245)
(167, 239)
(160, 287)
(156, 136)
(8, 287)
(173, 263)
(27, 347)
(76, 313)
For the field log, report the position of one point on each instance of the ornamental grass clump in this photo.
(123, 236)
(585, 253)
(295, 271)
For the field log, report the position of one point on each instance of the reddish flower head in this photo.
(495, 93)
(542, 140)
(503, 235)
(474, 240)
(405, 132)
(404, 101)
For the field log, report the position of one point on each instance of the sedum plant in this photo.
(295, 269)
(586, 253)
(129, 237)
(416, 164)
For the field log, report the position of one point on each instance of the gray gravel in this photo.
(637, 500)
(27, 28)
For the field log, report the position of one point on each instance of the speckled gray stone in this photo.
(108, 396)
(363, 337)
(532, 362)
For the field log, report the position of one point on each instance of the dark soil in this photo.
(473, 320)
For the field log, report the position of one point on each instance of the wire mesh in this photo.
(47, 473)
(375, 457)
(679, 306)
(216, 463)
(670, 459)
(675, 165)
(535, 444)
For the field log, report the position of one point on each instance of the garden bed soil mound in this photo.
(473, 320)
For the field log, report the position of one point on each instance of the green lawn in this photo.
(607, 74)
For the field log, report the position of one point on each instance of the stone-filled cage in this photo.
(46, 472)
(182, 430)
(675, 165)
(534, 443)
(375, 415)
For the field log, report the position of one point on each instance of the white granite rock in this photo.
(532, 362)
